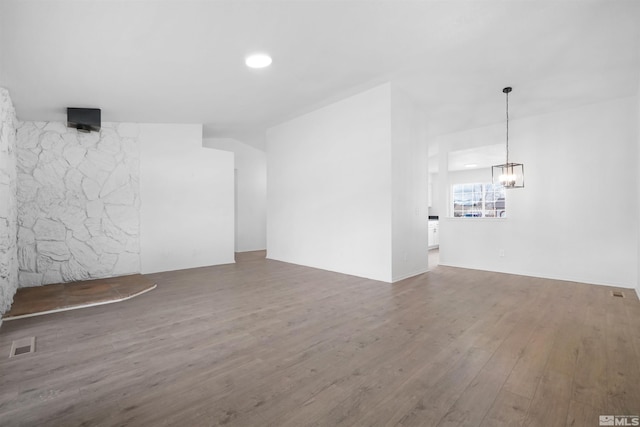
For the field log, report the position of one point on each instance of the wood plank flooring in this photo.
(69, 296)
(265, 343)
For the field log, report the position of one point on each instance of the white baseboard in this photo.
(406, 276)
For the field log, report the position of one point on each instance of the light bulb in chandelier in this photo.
(508, 180)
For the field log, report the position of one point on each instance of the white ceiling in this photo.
(183, 61)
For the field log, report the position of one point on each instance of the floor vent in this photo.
(617, 294)
(23, 346)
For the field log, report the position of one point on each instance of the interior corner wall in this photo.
(434, 179)
(329, 187)
(410, 178)
(187, 200)
(575, 219)
(8, 203)
(638, 193)
(251, 192)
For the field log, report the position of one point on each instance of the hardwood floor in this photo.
(47, 299)
(265, 343)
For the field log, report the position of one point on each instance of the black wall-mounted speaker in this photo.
(84, 119)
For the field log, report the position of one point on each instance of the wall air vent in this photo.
(84, 119)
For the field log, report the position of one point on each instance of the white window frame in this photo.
(477, 200)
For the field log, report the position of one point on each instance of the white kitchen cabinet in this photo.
(434, 240)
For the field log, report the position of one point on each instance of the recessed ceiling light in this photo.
(258, 60)
(470, 165)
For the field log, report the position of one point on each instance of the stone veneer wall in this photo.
(8, 203)
(78, 202)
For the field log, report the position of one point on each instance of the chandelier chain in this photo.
(507, 93)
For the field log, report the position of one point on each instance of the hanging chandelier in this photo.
(509, 175)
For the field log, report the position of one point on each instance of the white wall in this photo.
(251, 192)
(409, 160)
(4, 35)
(576, 219)
(329, 187)
(78, 202)
(347, 187)
(434, 180)
(638, 193)
(186, 192)
(80, 211)
(8, 203)
(466, 177)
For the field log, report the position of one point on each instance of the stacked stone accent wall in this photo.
(78, 202)
(8, 203)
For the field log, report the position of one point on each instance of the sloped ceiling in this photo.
(182, 61)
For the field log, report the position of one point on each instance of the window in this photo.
(479, 200)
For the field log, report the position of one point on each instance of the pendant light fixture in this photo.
(509, 175)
